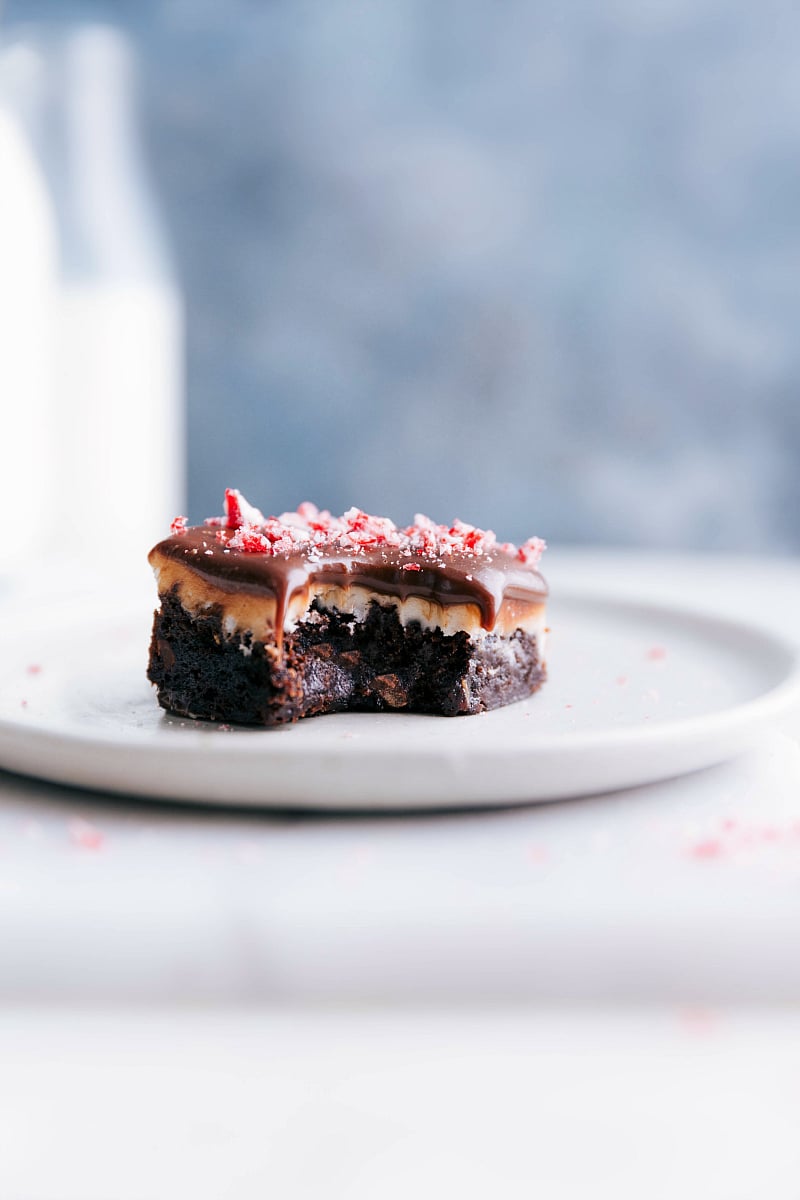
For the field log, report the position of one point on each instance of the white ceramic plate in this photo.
(636, 693)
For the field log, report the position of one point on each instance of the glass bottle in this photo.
(118, 413)
(27, 301)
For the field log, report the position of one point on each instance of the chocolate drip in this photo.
(459, 578)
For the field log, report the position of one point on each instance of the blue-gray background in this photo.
(534, 264)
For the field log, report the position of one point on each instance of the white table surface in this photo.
(684, 891)
(386, 1105)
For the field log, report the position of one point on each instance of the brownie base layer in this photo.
(333, 663)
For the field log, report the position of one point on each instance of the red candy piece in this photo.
(239, 512)
(250, 539)
(531, 551)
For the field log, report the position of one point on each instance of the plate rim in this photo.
(744, 716)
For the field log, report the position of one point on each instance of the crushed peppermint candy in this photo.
(243, 527)
(84, 835)
(238, 512)
(250, 539)
(531, 551)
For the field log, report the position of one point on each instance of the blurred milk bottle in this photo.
(27, 297)
(116, 420)
(119, 356)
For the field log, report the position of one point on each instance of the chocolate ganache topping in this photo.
(284, 556)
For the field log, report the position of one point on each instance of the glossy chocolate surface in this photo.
(457, 577)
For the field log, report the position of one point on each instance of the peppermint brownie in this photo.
(265, 620)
